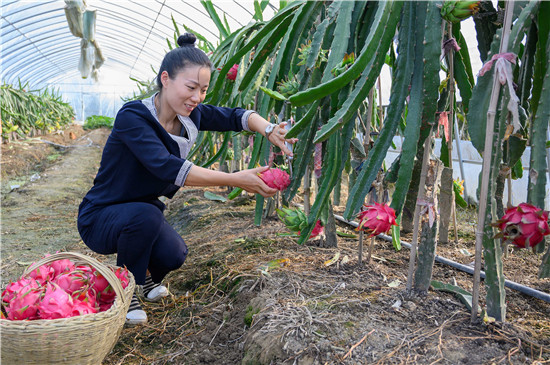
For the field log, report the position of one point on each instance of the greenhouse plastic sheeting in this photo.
(38, 47)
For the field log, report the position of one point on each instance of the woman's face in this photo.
(187, 90)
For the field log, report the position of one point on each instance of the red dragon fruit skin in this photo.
(81, 308)
(122, 275)
(275, 178)
(62, 266)
(42, 274)
(317, 230)
(524, 225)
(25, 304)
(376, 219)
(56, 303)
(16, 287)
(72, 281)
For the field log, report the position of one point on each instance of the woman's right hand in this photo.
(251, 182)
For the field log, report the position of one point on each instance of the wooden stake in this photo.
(420, 196)
(487, 154)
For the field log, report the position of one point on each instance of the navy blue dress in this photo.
(141, 162)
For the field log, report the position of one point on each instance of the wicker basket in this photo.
(78, 340)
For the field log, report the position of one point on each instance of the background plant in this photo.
(25, 111)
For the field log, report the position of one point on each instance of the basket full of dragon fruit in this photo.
(66, 308)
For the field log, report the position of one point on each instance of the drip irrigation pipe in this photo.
(470, 270)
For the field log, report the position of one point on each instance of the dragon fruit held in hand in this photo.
(275, 178)
(376, 219)
(524, 225)
(60, 289)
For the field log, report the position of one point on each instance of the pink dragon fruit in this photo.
(42, 274)
(72, 281)
(122, 274)
(376, 219)
(524, 225)
(104, 290)
(82, 307)
(232, 73)
(317, 230)
(275, 178)
(57, 303)
(62, 266)
(25, 304)
(16, 287)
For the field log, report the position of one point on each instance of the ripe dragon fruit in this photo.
(62, 266)
(275, 178)
(232, 73)
(317, 230)
(17, 287)
(524, 225)
(376, 219)
(43, 274)
(24, 305)
(72, 281)
(59, 290)
(57, 303)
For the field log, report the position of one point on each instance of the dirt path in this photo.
(40, 216)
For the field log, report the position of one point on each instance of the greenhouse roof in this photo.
(38, 47)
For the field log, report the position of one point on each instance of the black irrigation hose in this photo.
(470, 270)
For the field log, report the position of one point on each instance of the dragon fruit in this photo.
(524, 225)
(275, 178)
(296, 220)
(82, 308)
(57, 303)
(457, 10)
(72, 281)
(16, 287)
(62, 266)
(24, 305)
(60, 290)
(317, 230)
(376, 219)
(43, 274)
(122, 274)
(232, 73)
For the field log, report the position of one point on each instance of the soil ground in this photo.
(249, 295)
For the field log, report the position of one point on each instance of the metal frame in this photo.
(38, 47)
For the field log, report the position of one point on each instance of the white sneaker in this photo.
(135, 314)
(157, 293)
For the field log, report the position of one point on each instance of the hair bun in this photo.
(187, 40)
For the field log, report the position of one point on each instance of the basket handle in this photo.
(80, 258)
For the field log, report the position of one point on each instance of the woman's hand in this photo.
(277, 138)
(251, 182)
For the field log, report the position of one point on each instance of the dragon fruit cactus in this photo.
(275, 178)
(57, 303)
(524, 225)
(376, 219)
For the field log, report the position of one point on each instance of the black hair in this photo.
(183, 56)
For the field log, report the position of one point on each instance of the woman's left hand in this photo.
(277, 137)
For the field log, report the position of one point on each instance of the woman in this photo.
(145, 158)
